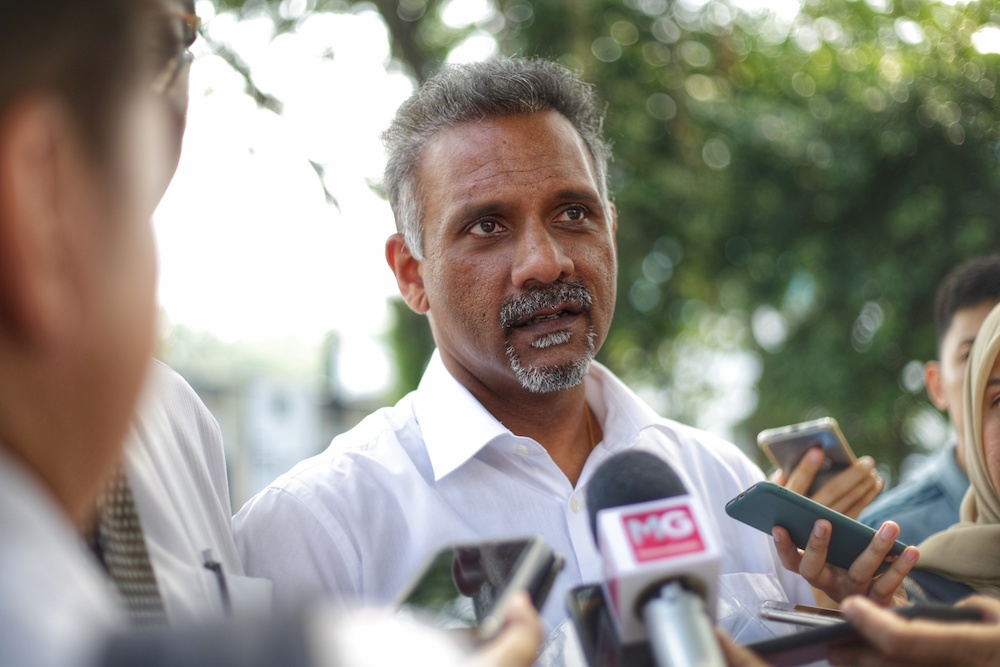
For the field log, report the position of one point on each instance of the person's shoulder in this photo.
(168, 385)
(910, 498)
(371, 447)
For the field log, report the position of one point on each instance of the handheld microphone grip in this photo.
(661, 558)
(679, 612)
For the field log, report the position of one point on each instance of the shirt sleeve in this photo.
(284, 534)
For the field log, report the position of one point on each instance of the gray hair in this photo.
(473, 92)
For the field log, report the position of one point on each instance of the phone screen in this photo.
(462, 584)
(787, 445)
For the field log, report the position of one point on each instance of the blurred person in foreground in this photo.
(929, 502)
(497, 177)
(91, 118)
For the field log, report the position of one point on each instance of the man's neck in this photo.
(561, 422)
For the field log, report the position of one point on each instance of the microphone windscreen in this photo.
(629, 478)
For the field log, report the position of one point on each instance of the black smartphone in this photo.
(765, 505)
(465, 587)
(811, 645)
(785, 446)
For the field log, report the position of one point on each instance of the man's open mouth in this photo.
(547, 316)
(541, 306)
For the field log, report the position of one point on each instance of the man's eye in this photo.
(485, 227)
(575, 213)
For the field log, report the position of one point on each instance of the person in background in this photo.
(91, 120)
(929, 501)
(968, 551)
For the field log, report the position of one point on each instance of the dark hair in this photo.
(967, 285)
(468, 93)
(88, 53)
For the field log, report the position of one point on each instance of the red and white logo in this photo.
(662, 533)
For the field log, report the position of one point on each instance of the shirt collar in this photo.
(455, 426)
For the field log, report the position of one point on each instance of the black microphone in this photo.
(661, 560)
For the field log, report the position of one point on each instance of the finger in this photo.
(778, 477)
(989, 606)
(518, 642)
(788, 553)
(886, 585)
(847, 488)
(813, 564)
(918, 641)
(854, 511)
(865, 566)
(801, 477)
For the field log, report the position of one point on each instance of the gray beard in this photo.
(547, 379)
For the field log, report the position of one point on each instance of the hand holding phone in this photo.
(843, 543)
(466, 587)
(811, 645)
(923, 640)
(786, 447)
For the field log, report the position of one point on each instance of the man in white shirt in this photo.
(497, 177)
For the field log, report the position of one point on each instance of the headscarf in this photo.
(969, 551)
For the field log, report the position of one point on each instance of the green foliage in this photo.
(789, 191)
(794, 192)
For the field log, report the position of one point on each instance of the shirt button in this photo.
(574, 504)
(522, 450)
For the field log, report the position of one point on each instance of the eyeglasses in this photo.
(185, 27)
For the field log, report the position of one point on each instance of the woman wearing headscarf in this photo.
(969, 552)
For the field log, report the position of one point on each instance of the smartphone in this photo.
(465, 587)
(785, 447)
(799, 614)
(807, 646)
(765, 505)
(596, 631)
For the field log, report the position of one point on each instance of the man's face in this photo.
(945, 377)
(519, 274)
(117, 304)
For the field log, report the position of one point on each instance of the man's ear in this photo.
(932, 380)
(408, 271)
(31, 271)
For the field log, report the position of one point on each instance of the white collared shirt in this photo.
(176, 466)
(357, 521)
(56, 607)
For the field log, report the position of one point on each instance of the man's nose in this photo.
(540, 259)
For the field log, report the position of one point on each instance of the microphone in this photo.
(661, 561)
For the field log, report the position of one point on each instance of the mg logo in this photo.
(662, 533)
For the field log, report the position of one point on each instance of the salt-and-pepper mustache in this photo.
(523, 305)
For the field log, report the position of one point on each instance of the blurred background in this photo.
(792, 180)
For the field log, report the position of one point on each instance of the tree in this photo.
(790, 190)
